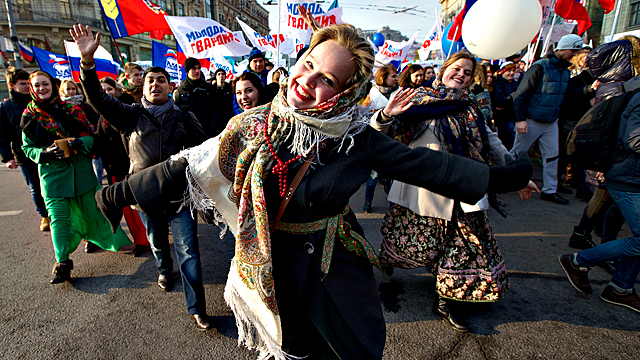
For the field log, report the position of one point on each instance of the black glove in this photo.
(76, 144)
(51, 152)
(515, 175)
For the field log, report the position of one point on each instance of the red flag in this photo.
(573, 10)
(456, 28)
(607, 5)
(130, 17)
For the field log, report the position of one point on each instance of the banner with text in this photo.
(392, 50)
(269, 42)
(292, 23)
(203, 38)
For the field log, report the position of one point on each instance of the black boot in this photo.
(62, 272)
(581, 240)
(441, 308)
(111, 199)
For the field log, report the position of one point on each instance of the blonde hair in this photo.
(346, 36)
(62, 88)
(576, 60)
(635, 53)
(476, 73)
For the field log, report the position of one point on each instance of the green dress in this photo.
(68, 188)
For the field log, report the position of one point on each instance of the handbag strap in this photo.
(291, 190)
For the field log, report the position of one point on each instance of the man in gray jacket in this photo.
(537, 103)
(152, 132)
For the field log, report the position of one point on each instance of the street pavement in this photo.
(113, 308)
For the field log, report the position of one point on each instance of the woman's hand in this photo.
(83, 37)
(399, 102)
(525, 194)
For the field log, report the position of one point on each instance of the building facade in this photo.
(628, 20)
(389, 34)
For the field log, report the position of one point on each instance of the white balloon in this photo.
(494, 29)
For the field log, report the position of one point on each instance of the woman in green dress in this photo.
(67, 180)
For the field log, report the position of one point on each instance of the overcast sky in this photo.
(374, 14)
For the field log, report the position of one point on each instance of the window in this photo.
(196, 13)
(634, 14)
(146, 54)
(180, 10)
(65, 9)
(221, 18)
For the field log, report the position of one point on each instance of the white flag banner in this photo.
(433, 41)
(269, 42)
(219, 62)
(393, 50)
(204, 38)
(292, 23)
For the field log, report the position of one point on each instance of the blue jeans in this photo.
(30, 174)
(627, 250)
(371, 186)
(185, 242)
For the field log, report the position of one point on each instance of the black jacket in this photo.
(610, 63)
(502, 100)
(625, 175)
(577, 101)
(202, 99)
(10, 132)
(147, 140)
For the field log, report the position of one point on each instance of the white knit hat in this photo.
(570, 42)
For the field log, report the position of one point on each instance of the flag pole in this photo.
(615, 21)
(277, 65)
(548, 39)
(118, 50)
(455, 34)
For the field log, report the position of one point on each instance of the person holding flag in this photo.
(155, 130)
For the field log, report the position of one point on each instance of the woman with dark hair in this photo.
(247, 88)
(58, 137)
(412, 77)
(116, 162)
(307, 241)
(423, 228)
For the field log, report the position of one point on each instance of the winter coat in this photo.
(147, 141)
(577, 101)
(113, 152)
(625, 175)
(541, 91)
(610, 63)
(324, 191)
(10, 132)
(202, 100)
(502, 100)
(377, 100)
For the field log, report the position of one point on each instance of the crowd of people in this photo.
(274, 157)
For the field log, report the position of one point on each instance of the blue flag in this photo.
(167, 58)
(56, 65)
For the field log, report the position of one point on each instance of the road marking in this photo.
(9, 213)
(530, 233)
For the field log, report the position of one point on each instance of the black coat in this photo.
(502, 98)
(205, 102)
(147, 141)
(10, 132)
(610, 63)
(577, 101)
(324, 192)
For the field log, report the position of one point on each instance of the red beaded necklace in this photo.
(280, 168)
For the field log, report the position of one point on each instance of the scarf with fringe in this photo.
(250, 290)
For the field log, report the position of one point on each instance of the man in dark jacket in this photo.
(152, 132)
(623, 182)
(11, 138)
(536, 105)
(199, 97)
(502, 101)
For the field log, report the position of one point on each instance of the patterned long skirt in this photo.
(463, 252)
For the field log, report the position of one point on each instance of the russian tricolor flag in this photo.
(105, 66)
(26, 52)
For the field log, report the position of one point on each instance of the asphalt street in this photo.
(113, 308)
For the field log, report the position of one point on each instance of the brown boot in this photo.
(62, 272)
(44, 224)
